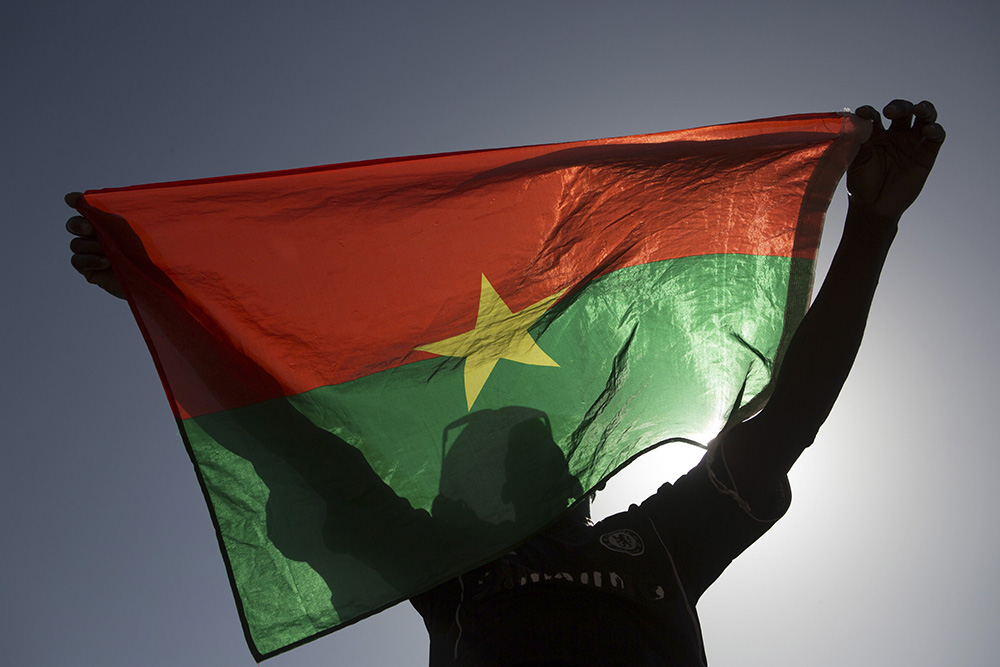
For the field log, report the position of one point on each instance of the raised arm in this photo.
(884, 179)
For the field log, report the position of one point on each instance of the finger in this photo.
(924, 114)
(925, 120)
(933, 138)
(87, 263)
(86, 246)
(934, 134)
(900, 112)
(79, 226)
(72, 199)
(869, 112)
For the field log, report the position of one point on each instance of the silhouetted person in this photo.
(623, 591)
(328, 508)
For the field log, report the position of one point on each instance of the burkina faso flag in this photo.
(389, 372)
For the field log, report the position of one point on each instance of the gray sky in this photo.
(887, 556)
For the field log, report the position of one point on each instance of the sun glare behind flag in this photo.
(389, 372)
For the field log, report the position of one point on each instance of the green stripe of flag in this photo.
(302, 488)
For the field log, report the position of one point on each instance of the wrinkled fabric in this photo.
(390, 372)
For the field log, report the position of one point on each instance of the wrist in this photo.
(865, 223)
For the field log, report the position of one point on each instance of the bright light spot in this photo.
(646, 474)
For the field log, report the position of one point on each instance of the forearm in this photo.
(761, 451)
(823, 348)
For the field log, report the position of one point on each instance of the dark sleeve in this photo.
(437, 607)
(705, 524)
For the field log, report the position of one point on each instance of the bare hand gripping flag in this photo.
(389, 372)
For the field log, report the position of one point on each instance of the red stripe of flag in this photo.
(258, 286)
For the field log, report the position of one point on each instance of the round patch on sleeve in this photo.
(623, 540)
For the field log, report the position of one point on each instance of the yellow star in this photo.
(499, 334)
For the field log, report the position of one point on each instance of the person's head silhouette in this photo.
(503, 465)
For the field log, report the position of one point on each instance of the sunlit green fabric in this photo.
(645, 353)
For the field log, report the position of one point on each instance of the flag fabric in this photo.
(389, 372)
